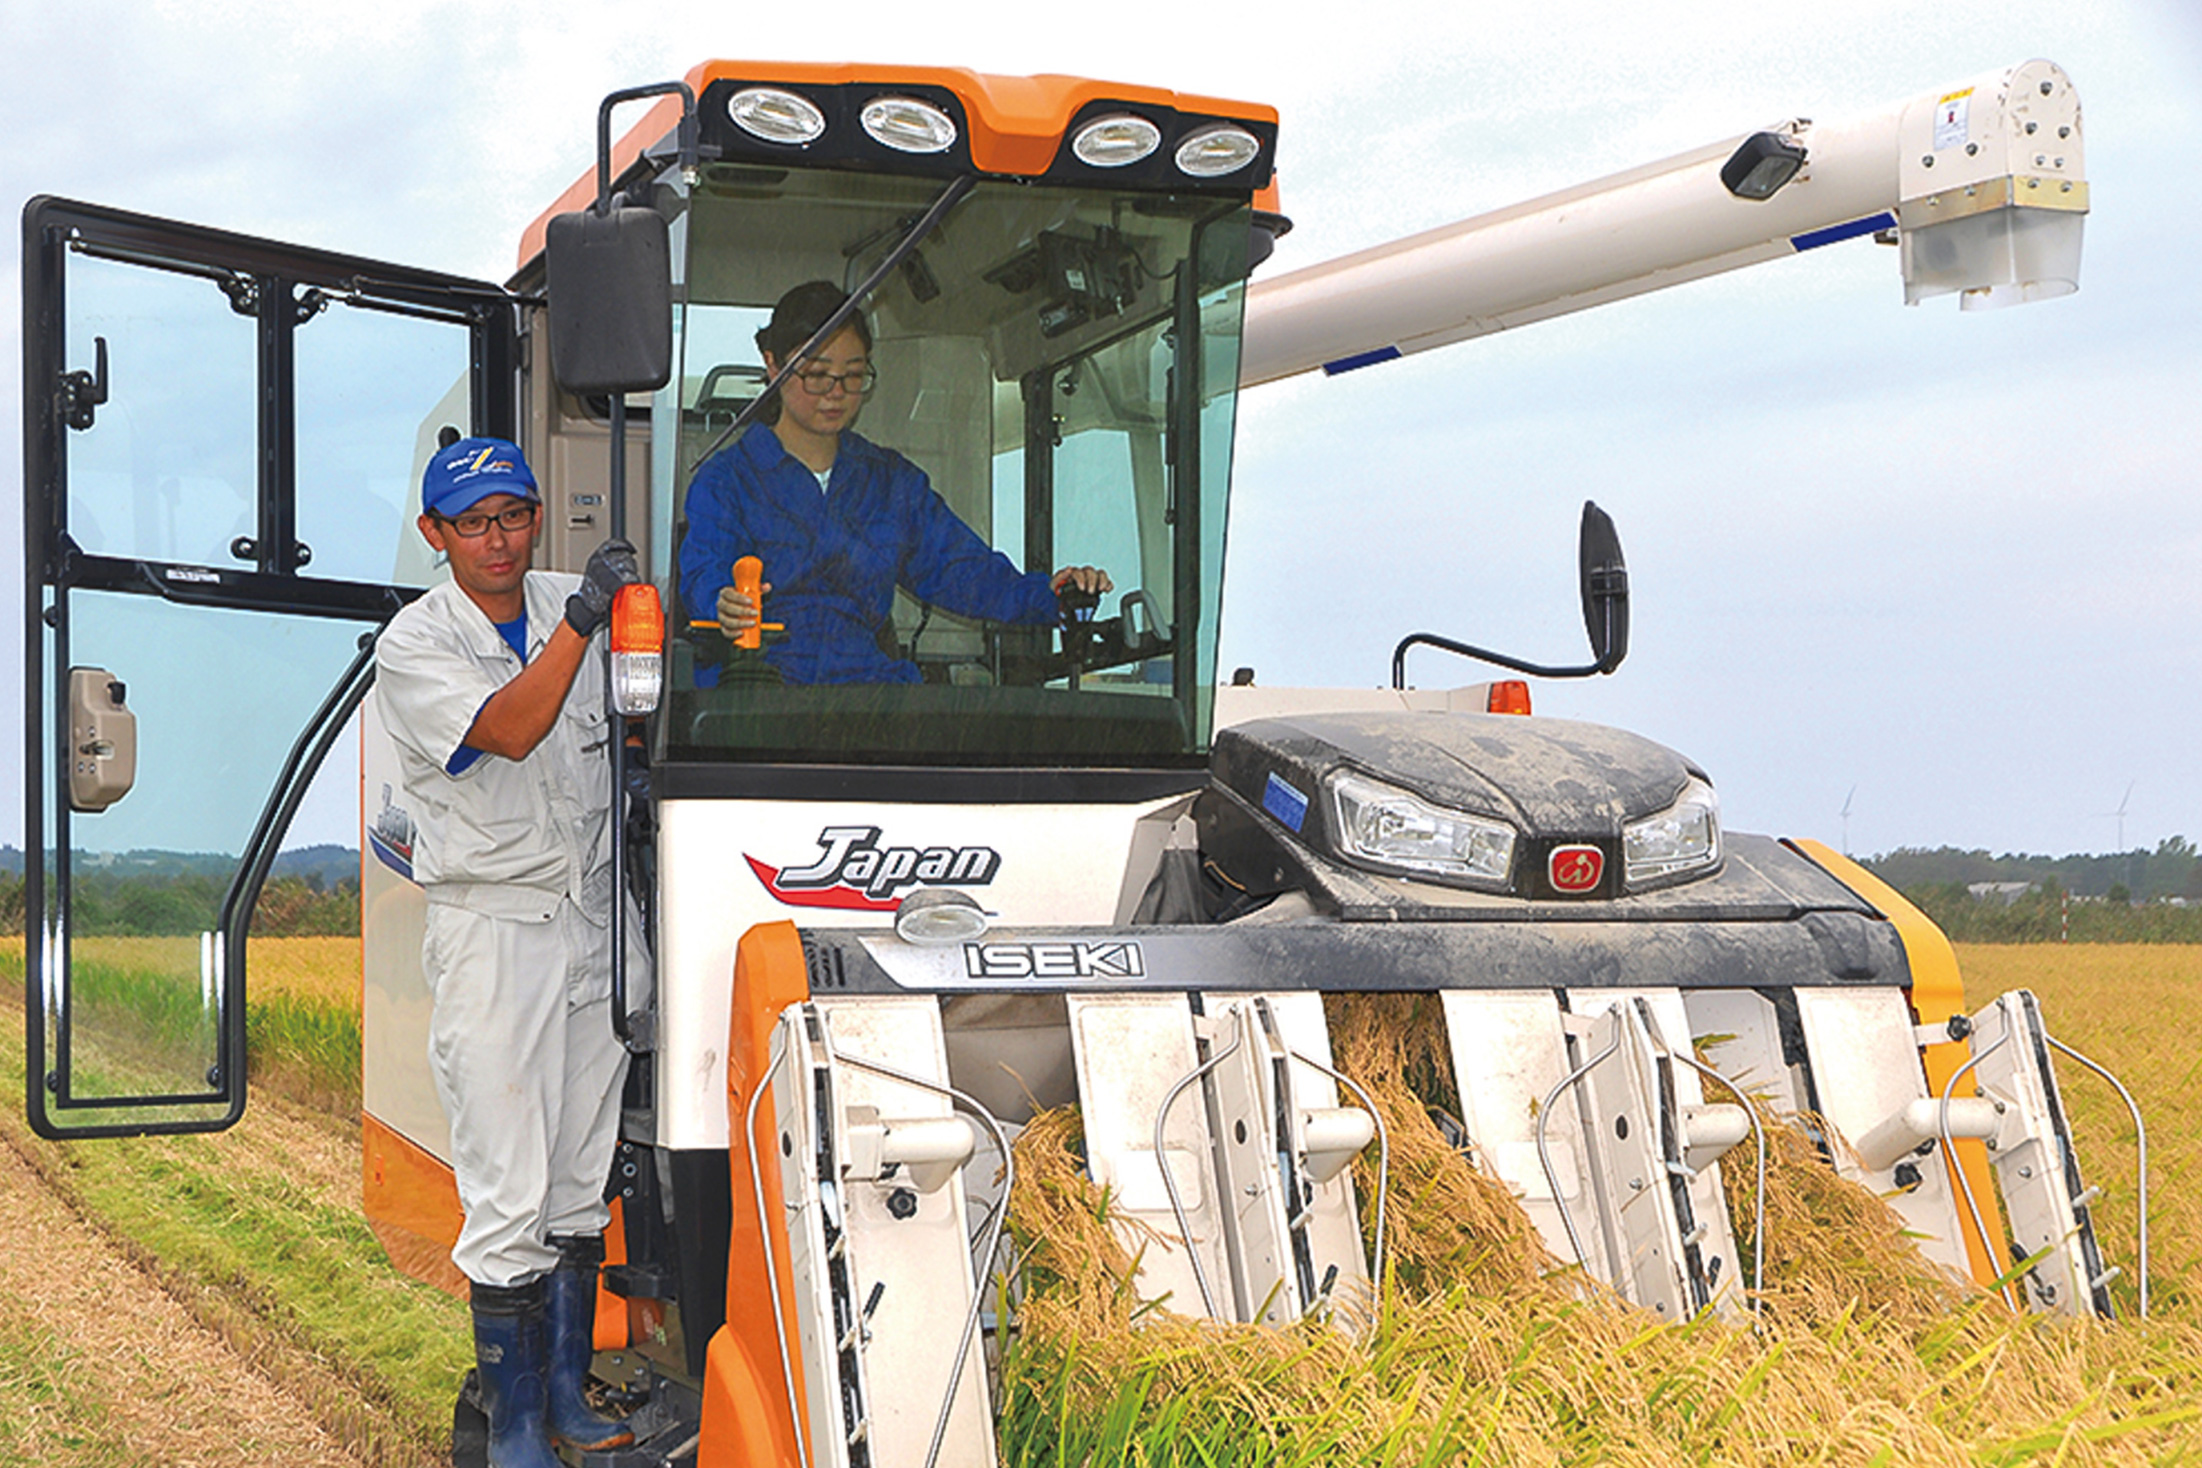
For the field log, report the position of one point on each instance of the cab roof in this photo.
(1014, 125)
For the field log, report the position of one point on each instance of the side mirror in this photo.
(1605, 588)
(1605, 579)
(611, 301)
(610, 278)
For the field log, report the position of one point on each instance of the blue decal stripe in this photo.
(1284, 802)
(1359, 360)
(1818, 237)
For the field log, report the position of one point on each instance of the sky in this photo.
(1901, 576)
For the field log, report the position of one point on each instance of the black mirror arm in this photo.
(1498, 659)
(604, 133)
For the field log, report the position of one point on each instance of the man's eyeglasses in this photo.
(819, 382)
(473, 526)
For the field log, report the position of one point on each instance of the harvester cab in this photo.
(922, 865)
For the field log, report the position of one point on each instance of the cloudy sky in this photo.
(1945, 568)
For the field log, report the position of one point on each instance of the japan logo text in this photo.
(855, 873)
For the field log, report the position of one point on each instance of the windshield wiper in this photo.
(904, 248)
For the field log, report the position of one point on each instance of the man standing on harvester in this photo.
(498, 711)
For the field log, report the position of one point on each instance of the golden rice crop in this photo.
(1479, 1352)
(324, 970)
(311, 969)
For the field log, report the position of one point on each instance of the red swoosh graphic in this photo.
(847, 898)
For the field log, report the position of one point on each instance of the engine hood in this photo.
(1546, 777)
(1558, 783)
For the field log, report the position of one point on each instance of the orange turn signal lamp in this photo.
(638, 649)
(1508, 696)
(638, 619)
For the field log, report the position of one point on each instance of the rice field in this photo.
(1479, 1353)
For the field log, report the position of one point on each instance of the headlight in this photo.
(1386, 827)
(775, 115)
(908, 125)
(1115, 141)
(1215, 151)
(1683, 838)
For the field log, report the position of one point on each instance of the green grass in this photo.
(53, 1414)
(286, 1268)
(306, 1049)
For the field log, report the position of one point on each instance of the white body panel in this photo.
(1242, 705)
(394, 1081)
(919, 1264)
(1058, 865)
(1508, 1053)
(1707, 1201)
(2048, 1207)
(1867, 1067)
(1262, 1096)
(1131, 1050)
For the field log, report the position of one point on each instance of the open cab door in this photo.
(222, 449)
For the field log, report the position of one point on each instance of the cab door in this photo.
(223, 439)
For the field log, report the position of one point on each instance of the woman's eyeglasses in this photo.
(818, 382)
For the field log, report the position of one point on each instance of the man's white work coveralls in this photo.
(515, 859)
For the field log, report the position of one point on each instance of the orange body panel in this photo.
(1937, 993)
(746, 1423)
(1016, 122)
(412, 1203)
(612, 1328)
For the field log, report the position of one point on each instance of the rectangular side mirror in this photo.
(611, 301)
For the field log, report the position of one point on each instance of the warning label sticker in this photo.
(1952, 119)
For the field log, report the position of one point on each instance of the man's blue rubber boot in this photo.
(508, 1355)
(570, 1315)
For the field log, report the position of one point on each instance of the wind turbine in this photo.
(1846, 819)
(2119, 815)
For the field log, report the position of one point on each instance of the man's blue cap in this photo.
(470, 471)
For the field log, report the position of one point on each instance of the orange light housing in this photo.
(638, 619)
(1508, 696)
(638, 650)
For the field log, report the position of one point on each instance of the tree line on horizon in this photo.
(172, 904)
(2170, 871)
(2135, 896)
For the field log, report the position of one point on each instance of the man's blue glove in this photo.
(611, 567)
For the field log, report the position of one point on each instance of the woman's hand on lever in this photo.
(740, 612)
(1091, 580)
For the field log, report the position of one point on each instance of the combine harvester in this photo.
(890, 922)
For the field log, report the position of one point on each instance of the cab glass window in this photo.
(1060, 366)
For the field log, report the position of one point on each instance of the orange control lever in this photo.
(749, 579)
(749, 576)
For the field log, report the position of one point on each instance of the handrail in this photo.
(2140, 1143)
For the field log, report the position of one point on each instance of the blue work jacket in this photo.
(833, 560)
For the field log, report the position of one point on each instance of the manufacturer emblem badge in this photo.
(1575, 868)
